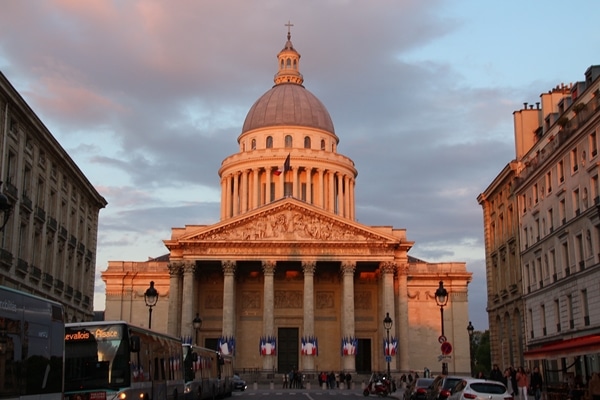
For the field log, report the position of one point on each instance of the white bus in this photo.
(31, 347)
(208, 373)
(113, 360)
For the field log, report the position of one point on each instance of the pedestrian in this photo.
(480, 375)
(285, 381)
(536, 383)
(522, 383)
(496, 374)
(594, 386)
(507, 380)
(348, 380)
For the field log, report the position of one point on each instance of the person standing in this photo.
(496, 374)
(522, 383)
(536, 383)
(594, 386)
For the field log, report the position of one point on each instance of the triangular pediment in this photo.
(288, 220)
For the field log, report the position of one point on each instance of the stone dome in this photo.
(288, 104)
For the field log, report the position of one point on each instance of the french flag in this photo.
(286, 167)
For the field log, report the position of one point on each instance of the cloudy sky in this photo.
(149, 96)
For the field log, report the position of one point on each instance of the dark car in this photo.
(442, 386)
(238, 383)
(417, 389)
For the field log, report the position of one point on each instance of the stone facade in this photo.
(288, 259)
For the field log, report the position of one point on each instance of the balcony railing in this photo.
(22, 266)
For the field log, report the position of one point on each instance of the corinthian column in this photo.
(187, 306)
(309, 309)
(387, 269)
(403, 316)
(268, 309)
(228, 297)
(348, 320)
(174, 298)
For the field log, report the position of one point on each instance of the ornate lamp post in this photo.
(151, 298)
(441, 299)
(5, 209)
(197, 323)
(470, 330)
(387, 324)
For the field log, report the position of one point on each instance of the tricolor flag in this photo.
(286, 167)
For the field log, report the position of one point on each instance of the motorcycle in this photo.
(378, 385)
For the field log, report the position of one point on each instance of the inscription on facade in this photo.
(324, 300)
(214, 300)
(250, 300)
(362, 301)
(288, 299)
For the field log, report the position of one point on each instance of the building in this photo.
(553, 192)
(48, 246)
(287, 278)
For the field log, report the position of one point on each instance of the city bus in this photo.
(116, 360)
(208, 373)
(31, 346)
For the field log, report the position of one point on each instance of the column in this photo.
(223, 197)
(227, 210)
(268, 173)
(347, 196)
(174, 298)
(387, 269)
(351, 195)
(268, 309)
(236, 194)
(348, 322)
(308, 363)
(339, 195)
(244, 196)
(256, 189)
(402, 315)
(295, 188)
(228, 297)
(309, 185)
(187, 302)
(331, 191)
(321, 189)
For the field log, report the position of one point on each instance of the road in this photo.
(266, 392)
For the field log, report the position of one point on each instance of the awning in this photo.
(566, 348)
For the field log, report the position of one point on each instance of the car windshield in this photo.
(423, 382)
(488, 387)
(451, 382)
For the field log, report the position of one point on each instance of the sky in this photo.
(149, 96)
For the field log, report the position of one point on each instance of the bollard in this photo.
(255, 385)
(271, 385)
(308, 385)
(324, 386)
(342, 385)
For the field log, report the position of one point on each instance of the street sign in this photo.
(442, 339)
(446, 348)
(388, 358)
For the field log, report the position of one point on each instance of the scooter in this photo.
(378, 385)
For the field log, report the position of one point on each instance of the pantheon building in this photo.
(288, 278)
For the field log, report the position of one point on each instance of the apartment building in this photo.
(48, 245)
(554, 194)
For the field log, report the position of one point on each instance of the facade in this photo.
(555, 191)
(287, 278)
(48, 246)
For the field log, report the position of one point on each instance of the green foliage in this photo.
(481, 352)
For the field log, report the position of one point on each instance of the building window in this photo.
(576, 206)
(593, 144)
(549, 182)
(551, 220)
(322, 144)
(574, 161)
(565, 259)
(269, 142)
(543, 319)
(595, 189)
(560, 169)
(306, 142)
(562, 211)
(557, 315)
(585, 307)
(288, 141)
(535, 193)
(253, 144)
(570, 311)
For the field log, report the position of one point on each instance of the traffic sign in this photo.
(388, 358)
(442, 339)
(446, 348)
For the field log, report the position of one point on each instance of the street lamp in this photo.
(5, 209)
(151, 298)
(387, 324)
(441, 298)
(197, 323)
(470, 330)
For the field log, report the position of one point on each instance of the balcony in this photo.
(40, 214)
(6, 258)
(62, 232)
(26, 204)
(22, 266)
(81, 248)
(513, 288)
(77, 296)
(47, 279)
(69, 291)
(59, 285)
(86, 300)
(36, 274)
(52, 224)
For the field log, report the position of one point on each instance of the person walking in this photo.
(496, 374)
(536, 383)
(522, 383)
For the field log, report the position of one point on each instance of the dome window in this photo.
(269, 142)
(288, 141)
(322, 144)
(288, 63)
(306, 142)
(253, 144)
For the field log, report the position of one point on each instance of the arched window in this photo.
(282, 64)
(269, 142)
(295, 65)
(306, 142)
(322, 144)
(253, 144)
(288, 141)
(288, 63)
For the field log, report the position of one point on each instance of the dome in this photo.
(288, 104)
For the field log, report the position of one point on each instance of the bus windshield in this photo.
(96, 357)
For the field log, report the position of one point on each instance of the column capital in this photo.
(228, 267)
(387, 267)
(189, 266)
(348, 267)
(268, 267)
(309, 267)
(175, 268)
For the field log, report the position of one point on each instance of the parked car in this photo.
(442, 386)
(471, 388)
(238, 383)
(417, 389)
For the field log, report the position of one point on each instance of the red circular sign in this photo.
(446, 348)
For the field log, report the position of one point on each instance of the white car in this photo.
(479, 389)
